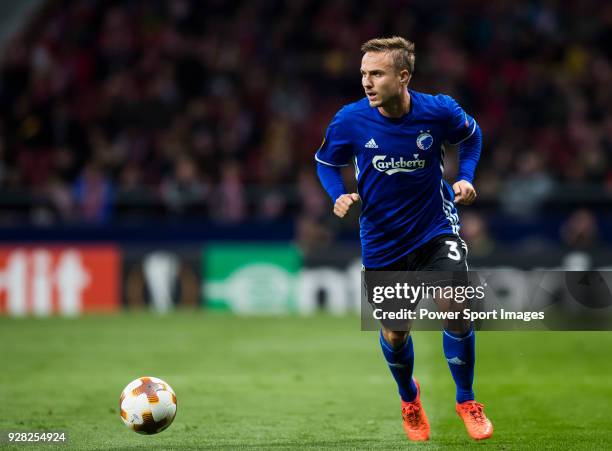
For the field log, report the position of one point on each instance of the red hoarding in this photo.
(67, 280)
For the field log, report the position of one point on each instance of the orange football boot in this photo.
(416, 423)
(478, 426)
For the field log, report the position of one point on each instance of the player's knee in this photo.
(395, 338)
(459, 326)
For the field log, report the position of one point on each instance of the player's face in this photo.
(380, 79)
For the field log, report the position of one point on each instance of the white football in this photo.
(147, 405)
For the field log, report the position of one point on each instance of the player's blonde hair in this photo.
(402, 51)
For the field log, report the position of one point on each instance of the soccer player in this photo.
(395, 137)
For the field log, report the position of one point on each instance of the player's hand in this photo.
(343, 204)
(464, 192)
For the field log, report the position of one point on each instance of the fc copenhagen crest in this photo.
(424, 140)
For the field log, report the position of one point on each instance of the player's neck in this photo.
(397, 107)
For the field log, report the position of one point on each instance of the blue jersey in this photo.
(399, 166)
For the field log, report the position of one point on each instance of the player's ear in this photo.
(405, 77)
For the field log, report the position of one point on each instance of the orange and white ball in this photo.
(147, 405)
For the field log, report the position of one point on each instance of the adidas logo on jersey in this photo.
(371, 144)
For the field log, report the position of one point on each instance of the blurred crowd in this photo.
(214, 109)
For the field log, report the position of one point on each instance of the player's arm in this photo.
(331, 179)
(333, 154)
(462, 130)
(469, 154)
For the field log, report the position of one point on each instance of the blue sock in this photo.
(401, 364)
(460, 353)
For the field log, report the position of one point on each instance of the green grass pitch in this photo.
(293, 383)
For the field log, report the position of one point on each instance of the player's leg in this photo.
(395, 340)
(398, 351)
(448, 254)
(399, 354)
(460, 353)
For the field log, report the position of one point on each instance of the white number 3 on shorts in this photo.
(453, 252)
